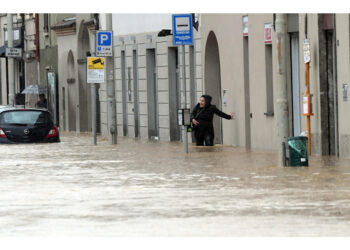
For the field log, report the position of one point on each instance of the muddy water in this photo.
(141, 188)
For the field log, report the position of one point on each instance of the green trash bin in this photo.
(298, 151)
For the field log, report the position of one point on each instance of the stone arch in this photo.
(71, 93)
(84, 108)
(212, 78)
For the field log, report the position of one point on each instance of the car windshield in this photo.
(25, 117)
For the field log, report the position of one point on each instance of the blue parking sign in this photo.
(104, 43)
(104, 38)
(182, 29)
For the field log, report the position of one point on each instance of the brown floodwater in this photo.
(141, 188)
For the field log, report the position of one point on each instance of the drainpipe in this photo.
(37, 56)
(22, 60)
(282, 114)
(97, 21)
(37, 51)
(335, 87)
(11, 69)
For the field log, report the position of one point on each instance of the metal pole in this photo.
(54, 98)
(308, 118)
(282, 98)
(48, 101)
(307, 82)
(94, 106)
(111, 100)
(48, 89)
(185, 95)
(94, 112)
(11, 70)
(284, 154)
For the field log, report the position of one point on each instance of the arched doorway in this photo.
(212, 79)
(84, 108)
(71, 102)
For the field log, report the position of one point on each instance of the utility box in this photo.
(183, 117)
(298, 151)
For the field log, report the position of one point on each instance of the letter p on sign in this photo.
(104, 39)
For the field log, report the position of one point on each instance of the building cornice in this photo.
(91, 24)
(65, 28)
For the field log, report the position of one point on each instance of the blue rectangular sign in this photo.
(182, 29)
(104, 38)
(104, 43)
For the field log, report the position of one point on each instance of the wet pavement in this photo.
(141, 188)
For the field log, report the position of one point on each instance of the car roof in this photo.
(5, 108)
(10, 108)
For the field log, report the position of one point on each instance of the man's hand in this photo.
(195, 122)
(232, 116)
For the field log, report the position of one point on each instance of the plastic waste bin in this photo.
(298, 151)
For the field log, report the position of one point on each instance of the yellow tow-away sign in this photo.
(95, 70)
(96, 63)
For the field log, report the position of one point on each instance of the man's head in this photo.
(205, 101)
(42, 97)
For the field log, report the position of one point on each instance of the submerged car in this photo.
(20, 125)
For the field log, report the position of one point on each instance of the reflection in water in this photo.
(146, 188)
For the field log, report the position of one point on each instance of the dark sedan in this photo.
(26, 126)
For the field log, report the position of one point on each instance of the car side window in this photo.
(42, 118)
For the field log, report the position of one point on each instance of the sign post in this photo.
(183, 35)
(104, 47)
(307, 98)
(95, 74)
(94, 112)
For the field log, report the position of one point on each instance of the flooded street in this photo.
(141, 188)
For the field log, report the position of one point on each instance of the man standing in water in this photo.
(202, 119)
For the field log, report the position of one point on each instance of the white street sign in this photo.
(13, 52)
(96, 76)
(268, 33)
(307, 51)
(245, 26)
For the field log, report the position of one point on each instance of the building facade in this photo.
(149, 81)
(233, 58)
(23, 37)
(33, 34)
(75, 41)
(240, 69)
(148, 76)
(149, 84)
